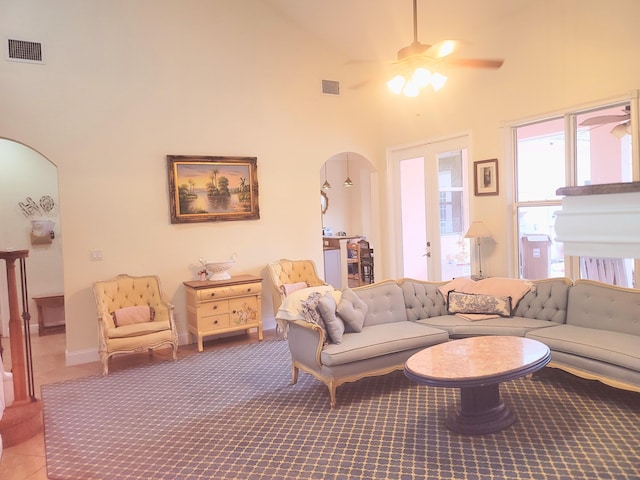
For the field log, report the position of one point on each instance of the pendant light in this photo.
(348, 182)
(326, 185)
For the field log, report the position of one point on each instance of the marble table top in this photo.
(476, 360)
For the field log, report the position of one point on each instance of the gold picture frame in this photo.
(485, 177)
(212, 188)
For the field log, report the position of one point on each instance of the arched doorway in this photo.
(30, 216)
(350, 209)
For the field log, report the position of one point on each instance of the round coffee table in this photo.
(477, 366)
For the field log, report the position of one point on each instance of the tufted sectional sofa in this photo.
(592, 329)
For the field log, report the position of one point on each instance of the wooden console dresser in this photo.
(222, 306)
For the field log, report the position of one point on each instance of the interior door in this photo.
(431, 209)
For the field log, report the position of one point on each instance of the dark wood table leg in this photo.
(481, 411)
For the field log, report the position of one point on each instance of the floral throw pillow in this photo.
(309, 310)
(478, 303)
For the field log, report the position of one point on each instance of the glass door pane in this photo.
(455, 259)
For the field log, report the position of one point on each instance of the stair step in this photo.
(20, 422)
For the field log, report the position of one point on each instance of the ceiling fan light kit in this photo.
(413, 58)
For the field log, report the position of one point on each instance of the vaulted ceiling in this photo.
(374, 30)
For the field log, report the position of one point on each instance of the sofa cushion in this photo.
(458, 326)
(333, 324)
(381, 339)
(422, 299)
(603, 345)
(136, 329)
(604, 307)
(385, 303)
(479, 303)
(352, 310)
(548, 301)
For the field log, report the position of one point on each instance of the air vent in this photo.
(24, 51)
(330, 87)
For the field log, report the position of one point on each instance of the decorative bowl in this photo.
(219, 270)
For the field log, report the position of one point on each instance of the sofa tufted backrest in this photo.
(127, 291)
(385, 302)
(548, 301)
(422, 299)
(606, 307)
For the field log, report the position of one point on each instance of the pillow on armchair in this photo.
(131, 315)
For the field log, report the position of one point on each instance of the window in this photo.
(578, 148)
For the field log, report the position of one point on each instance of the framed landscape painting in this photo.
(211, 189)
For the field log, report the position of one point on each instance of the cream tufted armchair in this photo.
(284, 273)
(133, 316)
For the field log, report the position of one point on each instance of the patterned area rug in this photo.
(231, 414)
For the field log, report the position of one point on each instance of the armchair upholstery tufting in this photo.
(144, 333)
(289, 272)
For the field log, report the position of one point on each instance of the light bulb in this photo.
(396, 84)
(421, 77)
(410, 89)
(438, 80)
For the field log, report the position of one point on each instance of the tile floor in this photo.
(27, 460)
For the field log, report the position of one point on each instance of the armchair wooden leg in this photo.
(332, 393)
(294, 375)
(105, 364)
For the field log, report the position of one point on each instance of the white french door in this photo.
(430, 209)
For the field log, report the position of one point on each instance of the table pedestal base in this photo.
(481, 411)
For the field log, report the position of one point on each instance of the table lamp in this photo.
(478, 230)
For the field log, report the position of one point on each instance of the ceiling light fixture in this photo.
(348, 182)
(415, 77)
(326, 185)
(413, 60)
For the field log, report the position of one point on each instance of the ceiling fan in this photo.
(414, 59)
(624, 122)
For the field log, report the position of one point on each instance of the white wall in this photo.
(128, 82)
(125, 84)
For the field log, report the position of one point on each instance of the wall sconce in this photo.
(348, 182)
(42, 231)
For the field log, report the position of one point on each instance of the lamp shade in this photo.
(477, 230)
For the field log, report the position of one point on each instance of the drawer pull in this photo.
(213, 294)
(215, 307)
(215, 322)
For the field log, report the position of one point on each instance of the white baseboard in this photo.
(81, 356)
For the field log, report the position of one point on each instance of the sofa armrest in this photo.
(305, 342)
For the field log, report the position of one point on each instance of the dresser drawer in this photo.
(229, 291)
(214, 322)
(206, 309)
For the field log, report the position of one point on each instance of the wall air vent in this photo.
(330, 87)
(24, 51)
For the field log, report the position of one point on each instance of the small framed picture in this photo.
(485, 177)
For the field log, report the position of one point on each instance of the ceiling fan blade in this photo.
(441, 49)
(602, 119)
(474, 62)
